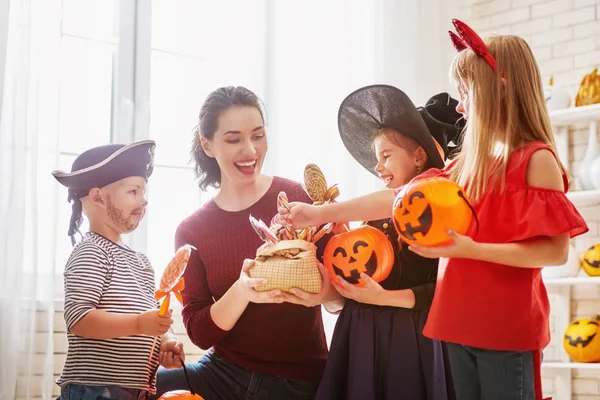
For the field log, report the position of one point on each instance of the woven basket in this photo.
(287, 264)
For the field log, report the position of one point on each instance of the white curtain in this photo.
(28, 196)
(320, 51)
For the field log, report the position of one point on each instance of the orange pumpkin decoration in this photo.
(425, 209)
(364, 249)
(589, 90)
(180, 395)
(582, 340)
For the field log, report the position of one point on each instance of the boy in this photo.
(110, 310)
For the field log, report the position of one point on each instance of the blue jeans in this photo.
(81, 392)
(480, 374)
(215, 379)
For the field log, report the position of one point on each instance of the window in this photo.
(195, 48)
(88, 47)
(141, 70)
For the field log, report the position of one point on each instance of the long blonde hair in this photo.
(507, 110)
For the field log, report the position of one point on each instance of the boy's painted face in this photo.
(464, 101)
(239, 145)
(125, 203)
(396, 166)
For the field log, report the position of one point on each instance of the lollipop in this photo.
(315, 185)
(282, 204)
(172, 281)
(262, 230)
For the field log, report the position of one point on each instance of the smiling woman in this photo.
(276, 350)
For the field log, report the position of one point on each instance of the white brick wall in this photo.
(565, 38)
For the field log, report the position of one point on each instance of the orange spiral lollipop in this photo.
(172, 281)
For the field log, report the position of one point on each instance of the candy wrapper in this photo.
(288, 258)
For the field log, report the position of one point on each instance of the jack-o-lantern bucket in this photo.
(364, 249)
(425, 209)
(591, 261)
(582, 340)
(180, 395)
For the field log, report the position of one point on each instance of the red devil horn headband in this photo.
(465, 37)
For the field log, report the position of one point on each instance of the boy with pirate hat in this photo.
(110, 310)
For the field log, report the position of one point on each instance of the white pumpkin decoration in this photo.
(556, 98)
(568, 270)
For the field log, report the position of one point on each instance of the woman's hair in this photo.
(507, 109)
(407, 143)
(207, 169)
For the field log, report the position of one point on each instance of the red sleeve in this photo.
(197, 300)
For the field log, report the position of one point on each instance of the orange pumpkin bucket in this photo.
(364, 249)
(425, 209)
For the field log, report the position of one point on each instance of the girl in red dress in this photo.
(490, 304)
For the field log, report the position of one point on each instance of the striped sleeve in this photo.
(85, 278)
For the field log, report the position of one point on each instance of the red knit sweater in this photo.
(286, 340)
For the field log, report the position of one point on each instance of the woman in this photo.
(262, 346)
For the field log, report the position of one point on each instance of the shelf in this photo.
(570, 365)
(584, 198)
(575, 115)
(590, 280)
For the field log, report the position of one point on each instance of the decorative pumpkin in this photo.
(582, 340)
(425, 209)
(589, 90)
(557, 98)
(591, 261)
(364, 249)
(181, 395)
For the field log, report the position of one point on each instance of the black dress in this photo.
(380, 352)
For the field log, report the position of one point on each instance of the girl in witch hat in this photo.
(378, 350)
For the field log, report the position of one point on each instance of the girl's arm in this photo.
(542, 172)
(373, 206)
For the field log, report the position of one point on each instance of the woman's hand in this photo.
(247, 285)
(327, 294)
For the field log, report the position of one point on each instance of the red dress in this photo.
(493, 306)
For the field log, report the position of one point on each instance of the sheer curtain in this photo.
(319, 52)
(28, 152)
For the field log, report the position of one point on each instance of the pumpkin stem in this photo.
(595, 70)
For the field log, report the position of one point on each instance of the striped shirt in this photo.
(103, 275)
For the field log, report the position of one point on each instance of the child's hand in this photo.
(460, 247)
(171, 352)
(304, 215)
(371, 293)
(246, 286)
(152, 324)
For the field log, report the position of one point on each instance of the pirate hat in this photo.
(101, 166)
(365, 111)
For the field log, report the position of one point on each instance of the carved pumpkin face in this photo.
(425, 209)
(582, 340)
(180, 395)
(364, 249)
(591, 261)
